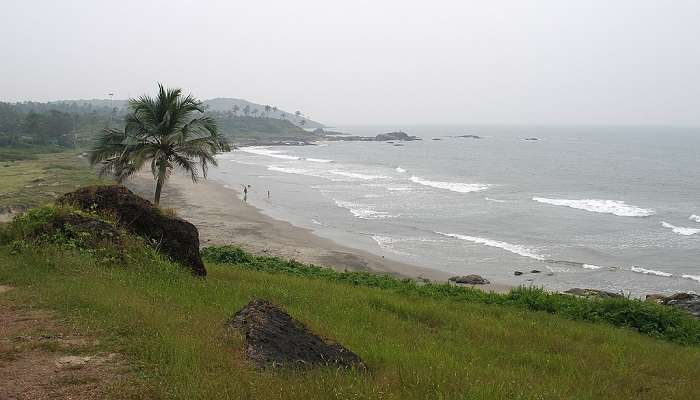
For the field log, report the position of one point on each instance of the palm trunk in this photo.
(159, 187)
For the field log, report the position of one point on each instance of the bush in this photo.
(651, 319)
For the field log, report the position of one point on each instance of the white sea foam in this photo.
(680, 230)
(399, 188)
(363, 211)
(401, 171)
(321, 160)
(264, 151)
(289, 170)
(693, 277)
(513, 248)
(591, 266)
(650, 271)
(386, 243)
(356, 175)
(599, 206)
(495, 200)
(453, 186)
(695, 218)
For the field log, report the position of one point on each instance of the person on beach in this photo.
(245, 193)
(268, 195)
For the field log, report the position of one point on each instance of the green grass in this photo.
(417, 345)
(39, 178)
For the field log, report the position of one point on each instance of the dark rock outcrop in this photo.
(689, 302)
(383, 137)
(593, 293)
(517, 273)
(470, 136)
(470, 280)
(175, 237)
(275, 339)
(83, 230)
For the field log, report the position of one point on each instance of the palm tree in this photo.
(267, 110)
(255, 113)
(168, 132)
(236, 109)
(246, 110)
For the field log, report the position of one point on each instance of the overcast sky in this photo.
(370, 62)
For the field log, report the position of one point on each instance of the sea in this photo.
(611, 208)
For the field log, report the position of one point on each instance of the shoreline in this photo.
(222, 219)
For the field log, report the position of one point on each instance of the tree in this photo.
(297, 113)
(255, 112)
(284, 115)
(236, 109)
(246, 110)
(169, 132)
(267, 110)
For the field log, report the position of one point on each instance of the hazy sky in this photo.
(365, 62)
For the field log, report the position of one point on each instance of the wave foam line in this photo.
(693, 277)
(495, 200)
(402, 171)
(453, 186)
(264, 151)
(356, 175)
(680, 230)
(363, 212)
(513, 248)
(599, 206)
(650, 271)
(695, 218)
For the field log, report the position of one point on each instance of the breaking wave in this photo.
(363, 211)
(264, 151)
(453, 186)
(513, 248)
(680, 230)
(401, 171)
(356, 175)
(692, 277)
(695, 218)
(600, 206)
(650, 271)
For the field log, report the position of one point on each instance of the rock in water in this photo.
(273, 338)
(470, 280)
(175, 237)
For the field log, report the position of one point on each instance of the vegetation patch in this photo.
(650, 319)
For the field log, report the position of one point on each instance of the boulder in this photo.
(470, 280)
(593, 293)
(274, 339)
(689, 302)
(517, 273)
(172, 236)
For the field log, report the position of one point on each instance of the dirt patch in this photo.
(40, 358)
(5, 288)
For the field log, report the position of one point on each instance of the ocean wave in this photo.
(264, 151)
(356, 175)
(399, 188)
(363, 211)
(680, 230)
(513, 248)
(599, 206)
(693, 277)
(289, 170)
(590, 266)
(650, 271)
(386, 242)
(320, 160)
(695, 218)
(401, 171)
(495, 200)
(453, 186)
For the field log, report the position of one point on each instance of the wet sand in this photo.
(222, 218)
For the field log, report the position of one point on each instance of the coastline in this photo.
(222, 219)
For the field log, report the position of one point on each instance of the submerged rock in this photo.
(470, 136)
(593, 293)
(470, 280)
(172, 236)
(273, 338)
(517, 273)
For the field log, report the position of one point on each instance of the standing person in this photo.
(245, 193)
(268, 195)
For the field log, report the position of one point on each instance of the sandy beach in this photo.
(222, 218)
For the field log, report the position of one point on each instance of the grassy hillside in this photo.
(170, 326)
(260, 128)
